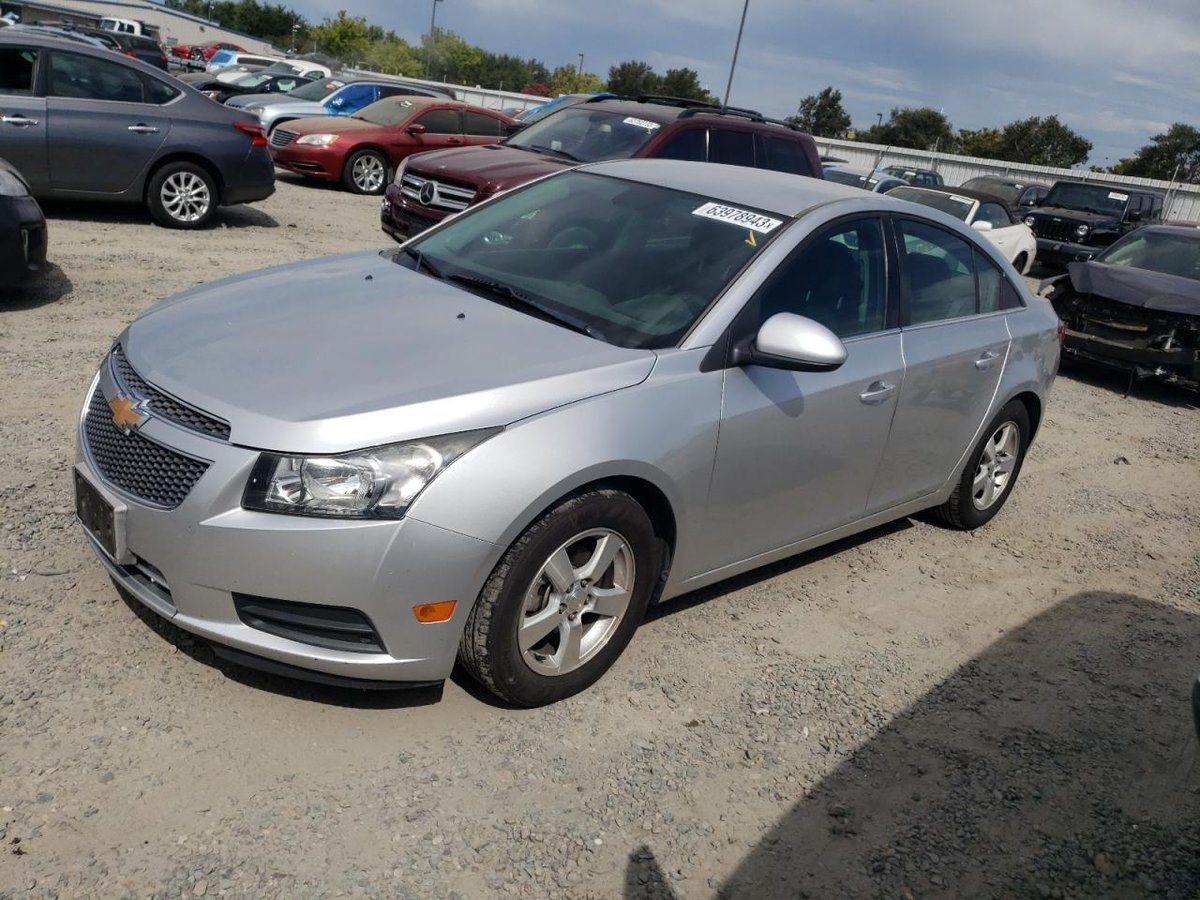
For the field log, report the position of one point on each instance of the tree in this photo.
(920, 129)
(633, 78)
(451, 58)
(345, 37)
(822, 114)
(1178, 147)
(984, 143)
(684, 83)
(569, 80)
(537, 89)
(1041, 142)
(395, 56)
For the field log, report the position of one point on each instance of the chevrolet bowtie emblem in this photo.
(127, 413)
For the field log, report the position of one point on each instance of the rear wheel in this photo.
(365, 172)
(197, 53)
(564, 601)
(182, 195)
(991, 470)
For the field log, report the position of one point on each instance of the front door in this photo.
(797, 451)
(23, 116)
(103, 134)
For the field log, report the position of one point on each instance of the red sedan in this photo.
(203, 52)
(363, 150)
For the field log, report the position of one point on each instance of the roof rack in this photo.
(684, 102)
(750, 114)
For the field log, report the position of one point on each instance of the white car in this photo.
(984, 212)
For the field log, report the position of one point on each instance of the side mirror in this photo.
(789, 341)
(416, 128)
(1134, 216)
(982, 226)
(513, 128)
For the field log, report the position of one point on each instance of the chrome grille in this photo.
(136, 464)
(281, 137)
(163, 405)
(1062, 230)
(445, 196)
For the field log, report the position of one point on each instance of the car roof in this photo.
(1020, 183)
(1189, 229)
(781, 193)
(972, 193)
(42, 39)
(1113, 186)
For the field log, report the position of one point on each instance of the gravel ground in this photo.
(912, 713)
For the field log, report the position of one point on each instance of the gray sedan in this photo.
(504, 439)
(85, 123)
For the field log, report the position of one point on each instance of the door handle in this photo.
(18, 121)
(985, 362)
(876, 393)
(143, 129)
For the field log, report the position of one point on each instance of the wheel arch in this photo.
(189, 157)
(1033, 406)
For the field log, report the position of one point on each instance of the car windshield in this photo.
(252, 79)
(318, 90)
(390, 111)
(222, 56)
(1159, 251)
(1009, 193)
(1096, 198)
(281, 68)
(632, 264)
(842, 176)
(951, 204)
(586, 134)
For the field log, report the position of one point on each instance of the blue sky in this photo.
(1116, 71)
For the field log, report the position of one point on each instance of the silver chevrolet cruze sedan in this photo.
(502, 440)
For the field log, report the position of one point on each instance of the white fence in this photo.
(1182, 202)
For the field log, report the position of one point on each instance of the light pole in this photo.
(429, 49)
(878, 119)
(736, 47)
(580, 55)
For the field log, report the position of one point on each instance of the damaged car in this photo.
(1136, 306)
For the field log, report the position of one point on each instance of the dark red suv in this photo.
(430, 186)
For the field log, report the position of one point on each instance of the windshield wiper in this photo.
(515, 298)
(422, 262)
(537, 148)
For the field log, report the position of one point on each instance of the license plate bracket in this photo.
(103, 519)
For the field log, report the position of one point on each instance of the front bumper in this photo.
(22, 241)
(317, 162)
(188, 563)
(1063, 252)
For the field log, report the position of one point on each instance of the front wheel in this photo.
(564, 601)
(991, 470)
(365, 172)
(182, 195)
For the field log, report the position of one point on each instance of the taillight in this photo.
(131, 54)
(257, 137)
(1062, 332)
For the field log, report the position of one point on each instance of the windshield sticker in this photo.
(741, 217)
(966, 200)
(641, 123)
(1113, 195)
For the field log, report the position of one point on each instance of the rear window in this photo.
(16, 70)
(783, 155)
(734, 148)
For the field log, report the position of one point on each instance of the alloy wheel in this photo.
(996, 465)
(186, 197)
(368, 173)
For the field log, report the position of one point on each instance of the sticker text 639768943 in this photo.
(743, 218)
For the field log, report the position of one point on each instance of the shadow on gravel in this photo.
(295, 689)
(51, 288)
(1061, 763)
(239, 216)
(1118, 382)
(313, 184)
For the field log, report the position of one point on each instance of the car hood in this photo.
(263, 100)
(1136, 287)
(352, 351)
(1072, 215)
(492, 167)
(333, 125)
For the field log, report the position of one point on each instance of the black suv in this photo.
(430, 186)
(1078, 219)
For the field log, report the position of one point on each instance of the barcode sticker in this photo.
(740, 217)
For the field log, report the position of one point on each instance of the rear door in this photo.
(103, 131)
(23, 115)
(443, 128)
(955, 342)
(480, 128)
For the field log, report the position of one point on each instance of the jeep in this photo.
(1077, 219)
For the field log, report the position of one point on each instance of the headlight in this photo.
(1029, 220)
(400, 172)
(318, 140)
(256, 110)
(1082, 230)
(379, 483)
(11, 185)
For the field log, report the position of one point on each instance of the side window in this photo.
(86, 78)
(688, 144)
(783, 155)
(994, 213)
(836, 278)
(938, 273)
(385, 91)
(995, 291)
(1156, 211)
(478, 123)
(16, 71)
(735, 148)
(159, 92)
(440, 121)
(352, 96)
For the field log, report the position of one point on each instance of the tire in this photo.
(366, 172)
(182, 195)
(991, 470)
(196, 54)
(536, 634)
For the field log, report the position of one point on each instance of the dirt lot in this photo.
(913, 713)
